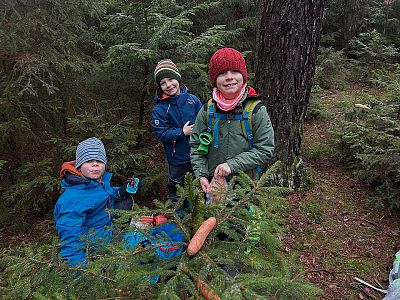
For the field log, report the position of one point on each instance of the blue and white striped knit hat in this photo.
(89, 149)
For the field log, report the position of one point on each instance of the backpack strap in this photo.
(251, 106)
(213, 121)
(247, 126)
(210, 114)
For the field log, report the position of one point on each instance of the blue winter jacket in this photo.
(169, 116)
(82, 216)
(83, 219)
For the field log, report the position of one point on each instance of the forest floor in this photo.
(337, 227)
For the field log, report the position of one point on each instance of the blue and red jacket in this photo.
(168, 117)
(83, 220)
(82, 214)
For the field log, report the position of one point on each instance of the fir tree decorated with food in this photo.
(230, 250)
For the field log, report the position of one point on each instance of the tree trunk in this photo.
(289, 34)
(350, 20)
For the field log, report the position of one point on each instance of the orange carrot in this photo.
(206, 290)
(200, 236)
(146, 219)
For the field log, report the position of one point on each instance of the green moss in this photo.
(313, 212)
(352, 264)
(319, 150)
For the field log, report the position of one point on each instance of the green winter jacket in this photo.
(233, 145)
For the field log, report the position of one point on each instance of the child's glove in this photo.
(129, 188)
(132, 185)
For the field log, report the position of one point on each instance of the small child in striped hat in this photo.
(173, 117)
(82, 213)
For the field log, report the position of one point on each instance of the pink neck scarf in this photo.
(225, 104)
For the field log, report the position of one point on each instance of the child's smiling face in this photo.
(93, 169)
(170, 86)
(229, 83)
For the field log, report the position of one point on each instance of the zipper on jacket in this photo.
(173, 148)
(108, 212)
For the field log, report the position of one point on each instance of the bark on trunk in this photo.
(289, 34)
(350, 20)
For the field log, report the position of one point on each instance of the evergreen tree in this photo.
(155, 30)
(241, 258)
(351, 20)
(43, 54)
(73, 69)
(344, 20)
(368, 138)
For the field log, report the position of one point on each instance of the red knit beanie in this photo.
(226, 59)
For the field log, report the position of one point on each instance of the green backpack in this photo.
(245, 119)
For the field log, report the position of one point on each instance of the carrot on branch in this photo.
(200, 236)
(206, 290)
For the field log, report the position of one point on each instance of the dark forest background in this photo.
(74, 69)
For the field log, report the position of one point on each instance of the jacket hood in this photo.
(69, 167)
(71, 176)
(160, 96)
(253, 92)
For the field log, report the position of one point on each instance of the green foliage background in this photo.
(74, 69)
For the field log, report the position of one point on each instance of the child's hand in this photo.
(205, 185)
(132, 185)
(131, 180)
(187, 129)
(222, 170)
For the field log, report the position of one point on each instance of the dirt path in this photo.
(336, 228)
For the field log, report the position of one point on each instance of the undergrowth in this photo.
(368, 137)
(241, 258)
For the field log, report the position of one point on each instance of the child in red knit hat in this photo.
(240, 132)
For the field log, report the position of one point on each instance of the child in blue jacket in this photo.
(173, 117)
(82, 214)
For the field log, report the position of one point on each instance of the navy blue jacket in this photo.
(169, 116)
